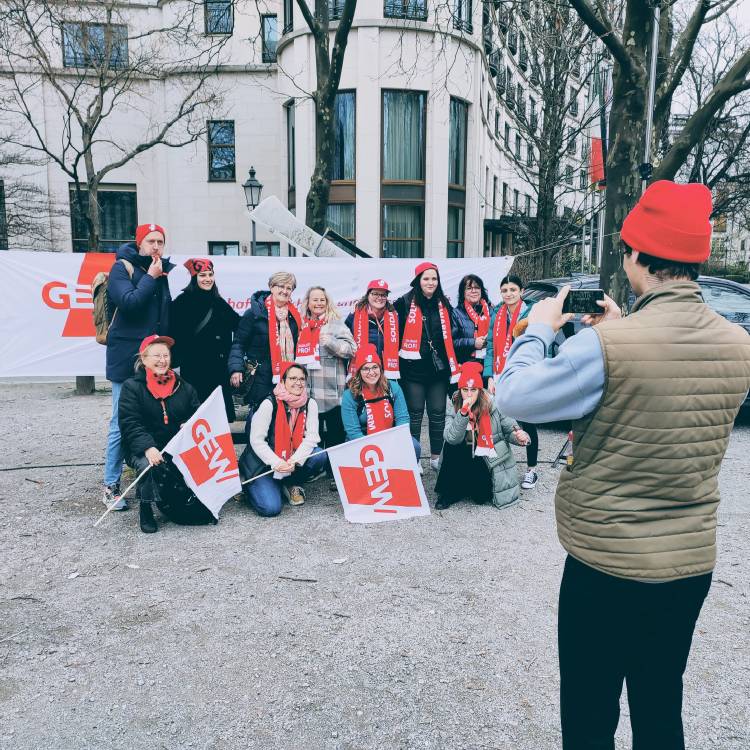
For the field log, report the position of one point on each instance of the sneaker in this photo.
(435, 463)
(332, 486)
(529, 480)
(112, 495)
(421, 469)
(295, 495)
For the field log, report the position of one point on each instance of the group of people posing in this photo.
(311, 380)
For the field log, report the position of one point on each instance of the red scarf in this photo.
(390, 339)
(287, 438)
(502, 336)
(273, 334)
(308, 343)
(379, 411)
(484, 445)
(161, 387)
(411, 341)
(481, 323)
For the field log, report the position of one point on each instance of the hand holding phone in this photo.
(583, 302)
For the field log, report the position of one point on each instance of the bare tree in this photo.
(629, 44)
(85, 60)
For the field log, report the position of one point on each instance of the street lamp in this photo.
(252, 189)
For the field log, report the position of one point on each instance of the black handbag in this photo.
(437, 361)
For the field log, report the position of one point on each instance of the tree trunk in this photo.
(84, 385)
(320, 183)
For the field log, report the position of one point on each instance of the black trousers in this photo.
(331, 431)
(430, 394)
(612, 630)
(532, 449)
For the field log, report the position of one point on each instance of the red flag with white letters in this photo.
(377, 477)
(204, 453)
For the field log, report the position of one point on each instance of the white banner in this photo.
(378, 478)
(204, 452)
(46, 322)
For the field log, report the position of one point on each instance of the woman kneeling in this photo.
(373, 403)
(477, 459)
(283, 437)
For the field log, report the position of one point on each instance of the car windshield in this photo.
(725, 300)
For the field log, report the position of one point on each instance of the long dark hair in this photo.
(471, 278)
(418, 294)
(193, 287)
(364, 301)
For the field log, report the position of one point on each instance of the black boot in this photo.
(148, 524)
(445, 502)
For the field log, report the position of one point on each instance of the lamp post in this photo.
(252, 189)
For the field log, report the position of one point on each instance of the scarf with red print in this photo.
(390, 339)
(378, 410)
(412, 338)
(273, 334)
(502, 336)
(481, 323)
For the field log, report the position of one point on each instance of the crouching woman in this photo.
(283, 437)
(477, 459)
(153, 405)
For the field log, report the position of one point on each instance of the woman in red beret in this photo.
(202, 324)
(477, 459)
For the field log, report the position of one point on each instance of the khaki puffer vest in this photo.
(640, 499)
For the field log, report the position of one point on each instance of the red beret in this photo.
(422, 267)
(196, 265)
(143, 229)
(379, 284)
(155, 339)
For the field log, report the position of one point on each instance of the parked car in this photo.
(728, 298)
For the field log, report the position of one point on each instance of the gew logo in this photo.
(212, 458)
(77, 299)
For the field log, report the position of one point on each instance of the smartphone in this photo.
(583, 302)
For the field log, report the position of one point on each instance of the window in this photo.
(335, 9)
(344, 142)
(403, 173)
(223, 248)
(571, 140)
(529, 155)
(455, 232)
(532, 114)
(505, 197)
(4, 219)
(94, 45)
(413, 9)
(568, 174)
(489, 106)
(288, 16)
(341, 218)
(573, 102)
(219, 17)
(118, 217)
(518, 147)
(584, 180)
(515, 201)
(527, 205)
(724, 300)
(497, 123)
(494, 197)
(459, 112)
(462, 15)
(268, 249)
(221, 151)
(506, 136)
(270, 37)
(290, 156)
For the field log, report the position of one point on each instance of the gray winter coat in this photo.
(506, 489)
(327, 385)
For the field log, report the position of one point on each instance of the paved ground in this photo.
(431, 633)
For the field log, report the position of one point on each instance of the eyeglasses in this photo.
(292, 379)
(158, 356)
(284, 288)
(368, 369)
(379, 295)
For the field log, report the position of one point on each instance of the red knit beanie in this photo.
(671, 221)
(471, 375)
(143, 229)
(367, 354)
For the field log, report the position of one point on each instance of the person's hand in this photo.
(155, 269)
(611, 312)
(154, 457)
(325, 337)
(469, 401)
(284, 467)
(549, 311)
(479, 342)
(522, 437)
(491, 386)
(236, 379)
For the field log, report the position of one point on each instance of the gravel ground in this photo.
(437, 632)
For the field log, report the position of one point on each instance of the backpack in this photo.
(102, 319)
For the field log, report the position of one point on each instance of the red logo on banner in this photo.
(77, 300)
(212, 458)
(373, 483)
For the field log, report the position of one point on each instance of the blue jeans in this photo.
(417, 448)
(114, 456)
(265, 493)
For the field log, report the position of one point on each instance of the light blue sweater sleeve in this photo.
(533, 388)
(401, 413)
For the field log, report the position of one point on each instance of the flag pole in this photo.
(122, 494)
(271, 471)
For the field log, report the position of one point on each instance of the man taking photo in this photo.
(653, 397)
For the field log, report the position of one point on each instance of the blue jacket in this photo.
(374, 336)
(463, 330)
(355, 425)
(251, 343)
(525, 310)
(142, 305)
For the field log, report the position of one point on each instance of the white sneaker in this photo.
(421, 469)
(435, 463)
(529, 480)
(112, 495)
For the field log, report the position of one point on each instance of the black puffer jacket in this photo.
(251, 343)
(141, 417)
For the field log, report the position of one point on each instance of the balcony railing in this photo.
(500, 82)
(494, 61)
(415, 10)
(523, 56)
(512, 41)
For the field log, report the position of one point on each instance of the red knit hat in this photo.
(671, 221)
(284, 366)
(422, 267)
(196, 265)
(367, 354)
(155, 339)
(143, 229)
(380, 285)
(471, 375)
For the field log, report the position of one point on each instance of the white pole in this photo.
(651, 92)
(122, 494)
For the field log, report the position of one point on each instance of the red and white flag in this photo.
(377, 477)
(204, 452)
